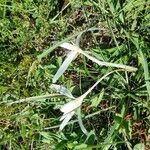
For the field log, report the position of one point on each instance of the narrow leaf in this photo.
(81, 122)
(78, 39)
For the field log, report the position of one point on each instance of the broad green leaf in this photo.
(144, 63)
(46, 135)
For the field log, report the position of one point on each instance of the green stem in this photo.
(34, 98)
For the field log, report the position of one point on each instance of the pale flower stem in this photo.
(90, 89)
(101, 63)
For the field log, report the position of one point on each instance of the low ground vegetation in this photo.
(115, 113)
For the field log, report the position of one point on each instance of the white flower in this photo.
(69, 110)
(65, 118)
(78, 50)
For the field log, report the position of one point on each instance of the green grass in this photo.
(115, 113)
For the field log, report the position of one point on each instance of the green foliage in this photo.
(116, 112)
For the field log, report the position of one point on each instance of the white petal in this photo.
(71, 56)
(62, 90)
(63, 117)
(70, 106)
(81, 122)
(66, 120)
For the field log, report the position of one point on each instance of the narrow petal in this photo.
(81, 122)
(72, 105)
(70, 57)
(63, 117)
(66, 120)
(62, 90)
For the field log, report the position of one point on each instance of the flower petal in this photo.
(62, 90)
(66, 120)
(72, 105)
(63, 117)
(70, 57)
